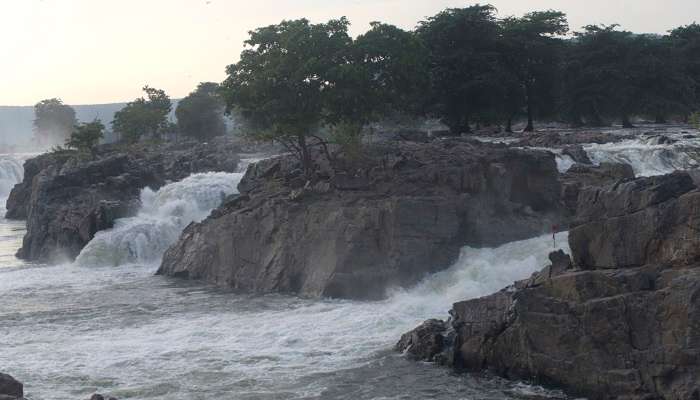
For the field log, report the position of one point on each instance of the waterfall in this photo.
(11, 173)
(163, 215)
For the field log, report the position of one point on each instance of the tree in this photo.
(284, 79)
(465, 70)
(596, 82)
(201, 114)
(396, 68)
(660, 84)
(685, 41)
(532, 49)
(143, 117)
(85, 136)
(53, 122)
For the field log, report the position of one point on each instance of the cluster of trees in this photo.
(465, 66)
(200, 115)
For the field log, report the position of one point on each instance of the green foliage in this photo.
(85, 136)
(201, 114)
(695, 119)
(143, 117)
(532, 48)
(348, 137)
(53, 122)
(465, 71)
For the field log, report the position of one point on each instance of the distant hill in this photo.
(16, 121)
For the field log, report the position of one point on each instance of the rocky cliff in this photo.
(66, 199)
(357, 228)
(620, 321)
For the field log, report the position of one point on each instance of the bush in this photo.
(695, 119)
(85, 136)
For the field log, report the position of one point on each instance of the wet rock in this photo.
(620, 321)
(577, 153)
(414, 136)
(426, 342)
(68, 199)
(10, 388)
(644, 221)
(563, 138)
(98, 396)
(402, 213)
(587, 178)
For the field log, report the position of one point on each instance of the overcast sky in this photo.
(100, 51)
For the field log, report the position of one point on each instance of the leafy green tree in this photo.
(201, 114)
(143, 117)
(464, 65)
(596, 82)
(284, 79)
(685, 41)
(53, 122)
(85, 136)
(532, 49)
(660, 84)
(396, 65)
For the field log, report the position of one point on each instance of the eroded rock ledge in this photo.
(622, 321)
(67, 199)
(356, 229)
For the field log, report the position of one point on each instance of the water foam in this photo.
(654, 152)
(122, 331)
(164, 214)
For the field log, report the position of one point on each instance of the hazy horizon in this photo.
(103, 52)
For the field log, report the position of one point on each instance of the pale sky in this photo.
(102, 51)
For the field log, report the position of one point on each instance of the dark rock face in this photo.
(68, 200)
(577, 153)
(581, 180)
(619, 322)
(353, 232)
(10, 388)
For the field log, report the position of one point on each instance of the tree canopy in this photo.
(201, 113)
(53, 122)
(85, 136)
(143, 117)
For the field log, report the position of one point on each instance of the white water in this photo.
(123, 331)
(647, 156)
(163, 216)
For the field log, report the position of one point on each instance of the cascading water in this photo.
(650, 154)
(11, 173)
(162, 217)
(123, 331)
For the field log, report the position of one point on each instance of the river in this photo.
(106, 323)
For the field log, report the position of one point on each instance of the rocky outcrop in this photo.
(353, 231)
(622, 321)
(582, 180)
(69, 199)
(10, 388)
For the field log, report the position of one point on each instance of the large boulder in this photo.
(402, 213)
(71, 198)
(10, 388)
(619, 322)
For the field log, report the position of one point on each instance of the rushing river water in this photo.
(106, 324)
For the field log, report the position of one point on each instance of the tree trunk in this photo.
(626, 122)
(530, 123)
(305, 157)
(509, 125)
